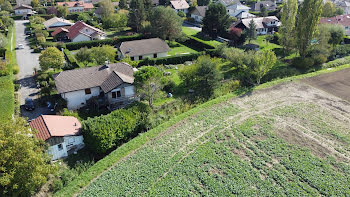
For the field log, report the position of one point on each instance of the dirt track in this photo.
(336, 83)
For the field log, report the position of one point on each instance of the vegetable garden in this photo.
(287, 140)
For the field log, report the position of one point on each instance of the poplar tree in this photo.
(287, 29)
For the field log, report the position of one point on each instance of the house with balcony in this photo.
(61, 133)
(180, 5)
(146, 48)
(109, 84)
(264, 25)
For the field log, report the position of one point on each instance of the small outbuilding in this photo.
(61, 133)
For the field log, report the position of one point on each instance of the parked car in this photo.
(51, 106)
(29, 104)
(20, 46)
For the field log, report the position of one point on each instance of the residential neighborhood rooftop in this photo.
(54, 20)
(76, 4)
(260, 21)
(340, 19)
(104, 76)
(200, 10)
(142, 47)
(22, 6)
(55, 126)
(75, 30)
(180, 4)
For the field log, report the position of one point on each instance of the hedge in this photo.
(197, 44)
(6, 98)
(179, 59)
(71, 60)
(95, 43)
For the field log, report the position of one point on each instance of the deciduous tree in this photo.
(287, 29)
(103, 54)
(51, 58)
(137, 14)
(148, 82)
(165, 23)
(308, 17)
(107, 8)
(328, 9)
(62, 11)
(23, 164)
(3, 41)
(263, 62)
(123, 4)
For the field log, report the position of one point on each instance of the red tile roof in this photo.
(340, 19)
(74, 30)
(55, 126)
(59, 30)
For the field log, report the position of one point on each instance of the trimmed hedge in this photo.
(6, 98)
(197, 44)
(96, 43)
(71, 60)
(179, 59)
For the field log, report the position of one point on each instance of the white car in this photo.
(20, 46)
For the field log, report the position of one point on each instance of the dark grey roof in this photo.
(269, 5)
(230, 2)
(200, 10)
(106, 77)
(143, 47)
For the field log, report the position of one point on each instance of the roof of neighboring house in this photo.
(143, 47)
(155, 2)
(269, 5)
(59, 30)
(230, 2)
(259, 22)
(343, 3)
(200, 10)
(244, 14)
(18, 7)
(51, 10)
(76, 4)
(179, 4)
(107, 77)
(54, 20)
(55, 126)
(238, 7)
(75, 30)
(340, 19)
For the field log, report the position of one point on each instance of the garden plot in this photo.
(290, 139)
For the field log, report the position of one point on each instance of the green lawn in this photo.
(263, 44)
(6, 98)
(192, 32)
(179, 49)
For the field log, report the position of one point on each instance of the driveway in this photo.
(27, 61)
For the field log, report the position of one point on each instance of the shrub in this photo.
(337, 62)
(340, 51)
(15, 69)
(303, 63)
(180, 59)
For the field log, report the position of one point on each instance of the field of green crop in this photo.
(287, 140)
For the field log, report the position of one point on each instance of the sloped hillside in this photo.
(291, 139)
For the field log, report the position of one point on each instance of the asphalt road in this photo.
(27, 61)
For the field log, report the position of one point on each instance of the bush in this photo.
(337, 62)
(340, 51)
(303, 63)
(15, 69)
(72, 62)
(180, 59)
(197, 44)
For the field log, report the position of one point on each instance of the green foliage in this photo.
(262, 63)
(105, 132)
(329, 9)
(62, 11)
(118, 21)
(203, 2)
(71, 60)
(123, 4)
(102, 54)
(165, 23)
(6, 98)
(251, 31)
(179, 59)
(51, 58)
(148, 83)
(203, 76)
(107, 8)
(306, 26)
(340, 51)
(137, 14)
(216, 20)
(23, 164)
(3, 41)
(6, 6)
(287, 29)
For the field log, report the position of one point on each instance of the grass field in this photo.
(290, 139)
(263, 44)
(180, 49)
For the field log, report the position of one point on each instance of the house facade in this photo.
(264, 25)
(23, 10)
(345, 5)
(106, 85)
(146, 48)
(342, 20)
(81, 31)
(268, 5)
(199, 13)
(180, 5)
(239, 11)
(76, 6)
(61, 133)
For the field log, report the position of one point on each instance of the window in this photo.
(155, 55)
(87, 91)
(140, 57)
(70, 142)
(119, 94)
(114, 95)
(132, 58)
(60, 147)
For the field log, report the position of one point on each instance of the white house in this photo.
(198, 13)
(264, 25)
(146, 48)
(239, 11)
(62, 133)
(227, 3)
(81, 31)
(109, 84)
(180, 5)
(76, 6)
(56, 22)
(23, 10)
